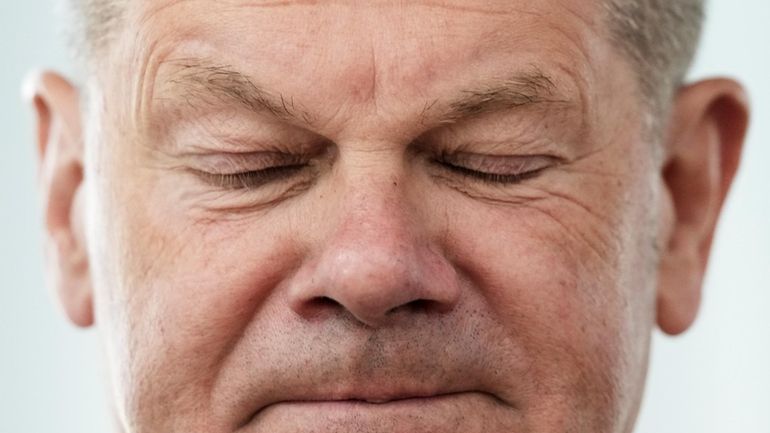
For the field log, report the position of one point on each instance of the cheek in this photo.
(568, 276)
(174, 293)
(538, 275)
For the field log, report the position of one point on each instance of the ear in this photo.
(701, 155)
(60, 162)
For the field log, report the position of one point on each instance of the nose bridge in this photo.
(377, 257)
(373, 210)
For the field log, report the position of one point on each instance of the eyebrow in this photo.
(198, 81)
(527, 88)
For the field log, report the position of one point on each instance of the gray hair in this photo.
(659, 37)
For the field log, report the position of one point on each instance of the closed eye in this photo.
(496, 178)
(252, 179)
(500, 170)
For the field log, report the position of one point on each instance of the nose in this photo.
(377, 265)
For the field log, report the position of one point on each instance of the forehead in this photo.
(377, 57)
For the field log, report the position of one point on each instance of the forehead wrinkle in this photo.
(460, 7)
(144, 88)
(436, 4)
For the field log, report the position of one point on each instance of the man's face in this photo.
(372, 217)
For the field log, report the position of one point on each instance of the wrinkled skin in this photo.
(376, 288)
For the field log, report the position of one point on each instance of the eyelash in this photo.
(490, 178)
(259, 178)
(254, 179)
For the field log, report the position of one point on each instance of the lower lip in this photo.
(460, 412)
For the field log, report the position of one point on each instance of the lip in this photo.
(357, 402)
(406, 371)
(379, 400)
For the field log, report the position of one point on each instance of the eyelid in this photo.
(495, 169)
(238, 163)
(499, 164)
(250, 179)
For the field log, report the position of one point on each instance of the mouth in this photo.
(380, 400)
(360, 406)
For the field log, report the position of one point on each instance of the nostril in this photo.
(319, 307)
(417, 306)
(325, 302)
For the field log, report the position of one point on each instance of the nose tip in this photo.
(374, 283)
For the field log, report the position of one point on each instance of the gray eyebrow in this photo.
(527, 88)
(197, 81)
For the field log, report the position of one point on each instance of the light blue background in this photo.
(715, 379)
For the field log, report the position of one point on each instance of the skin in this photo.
(378, 288)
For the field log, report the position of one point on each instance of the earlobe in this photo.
(60, 161)
(702, 152)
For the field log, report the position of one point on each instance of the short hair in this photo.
(658, 37)
(90, 25)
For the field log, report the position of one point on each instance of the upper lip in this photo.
(373, 398)
(344, 364)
